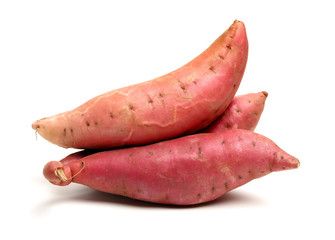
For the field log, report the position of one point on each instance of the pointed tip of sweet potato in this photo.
(285, 162)
(266, 94)
(35, 125)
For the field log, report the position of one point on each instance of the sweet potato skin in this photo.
(243, 112)
(183, 101)
(188, 170)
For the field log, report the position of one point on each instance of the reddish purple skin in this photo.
(188, 170)
(77, 156)
(243, 112)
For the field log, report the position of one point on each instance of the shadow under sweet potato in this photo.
(80, 194)
(235, 197)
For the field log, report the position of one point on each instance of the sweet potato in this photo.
(181, 102)
(243, 112)
(183, 171)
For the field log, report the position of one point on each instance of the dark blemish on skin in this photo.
(130, 154)
(262, 171)
(38, 126)
(231, 36)
(283, 168)
(221, 57)
(199, 152)
(211, 68)
(195, 82)
(222, 142)
(166, 196)
(239, 138)
(111, 115)
(139, 190)
(182, 86)
(234, 85)
(124, 188)
(253, 144)
(238, 110)
(150, 101)
(161, 98)
(131, 107)
(213, 189)
(198, 195)
(228, 46)
(170, 151)
(249, 101)
(191, 148)
(96, 123)
(239, 177)
(151, 153)
(282, 158)
(64, 132)
(227, 126)
(87, 124)
(71, 130)
(226, 185)
(256, 113)
(249, 172)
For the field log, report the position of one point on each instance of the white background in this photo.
(54, 55)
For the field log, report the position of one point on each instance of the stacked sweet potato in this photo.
(182, 138)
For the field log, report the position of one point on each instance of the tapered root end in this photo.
(285, 162)
(237, 21)
(265, 93)
(292, 163)
(57, 173)
(35, 125)
(38, 124)
(52, 129)
(297, 163)
(237, 24)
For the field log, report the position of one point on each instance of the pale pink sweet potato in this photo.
(183, 101)
(243, 112)
(187, 170)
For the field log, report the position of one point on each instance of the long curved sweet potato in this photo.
(183, 101)
(187, 170)
(243, 112)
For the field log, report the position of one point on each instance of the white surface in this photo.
(54, 55)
